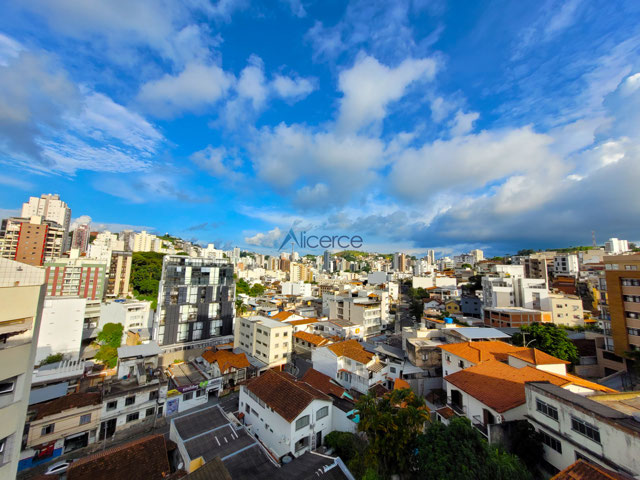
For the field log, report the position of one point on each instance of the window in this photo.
(3, 449)
(461, 364)
(129, 400)
(302, 422)
(112, 405)
(285, 334)
(323, 412)
(585, 428)
(153, 395)
(546, 409)
(132, 417)
(247, 408)
(187, 396)
(150, 411)
(84, 419)
(7, 386)
(285, 344)
(47, 429)
(393, 369)
(199, 392)
(551, 442)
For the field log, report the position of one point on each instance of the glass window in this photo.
(132, 417)
(84, 419)
(551, 442)
(546, 409)
(323, 412)
(585, 428)
(187, 396)
(112, 405)
(47, 429)
(150, 411)
(129, 401)
(302, 422)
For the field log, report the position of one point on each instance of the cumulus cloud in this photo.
(292, 87)
(193, 89)
(218, 162)
(462, 123)
(268, 239)
(82, 219)
(369, 87)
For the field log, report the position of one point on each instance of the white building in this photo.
(102, 246)
(614, 246)
(49, 207)
(61, 328)
(566, 265)
(144, 242)
(22, 293)
(604, 428)
(133, 315)
(211, 252)
(266, 339)
(365, 311)
(300, 289)
(509, 290)
(284, 425)
(434, 280)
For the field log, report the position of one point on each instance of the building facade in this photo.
(76, 277)
(31, 240)
(622, 273)
(51, 208)
(266, 339)
(119, 274)
(195, 300)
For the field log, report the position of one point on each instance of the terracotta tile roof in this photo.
(537, 357)
(476, 352)
(587, 384)
(400, 383)
(303, 321)
(446, 412)
(312, 338)
(226, 359)
(68, 402)
(282, 316)
(322, 382)
(582, 470)
(351, 349)
(287, 396)
(498, 385)
(144, 458)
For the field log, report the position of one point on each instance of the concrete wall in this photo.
(61, 328)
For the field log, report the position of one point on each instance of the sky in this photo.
(416, 125)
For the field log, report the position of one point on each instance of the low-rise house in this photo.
(582, 469)
(471, 306)
(135, 398)
(350, 365)
(566, 310)
(339, 328)
(60, 426)
(231, 367)
(289, 416)
(189, 387)
(602, 428)
(502, 317)
(344, 416)
(452, 307)
(304, 342)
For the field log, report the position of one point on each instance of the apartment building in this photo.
(50, 208)
(80, 237)
(195, 301)
(537, 266)
(118, 274)
(566, 310)
(31, 240)
(289, 416)
(601, 428)
(144, 242)
(22, 294)
(615, 246)
(622, 274)
(514, 317)
(134, 315)
(566, 264)
(104, 243)
(264, 338)
(75, 277)
(61, 328)
(509, 288)
(299, 272)
(365, 312)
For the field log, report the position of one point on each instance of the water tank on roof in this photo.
(448, 320)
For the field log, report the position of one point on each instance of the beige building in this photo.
(119, 273)
(31, 240)
(22, 293)
(266, 339)
(622, 273)
(566, 310)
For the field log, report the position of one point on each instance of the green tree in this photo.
(391, 425)
(146, 271)
(108, 355)
(111, 335)
(526, 443)
(256, 290)
(466, 265)
(525, 252)
(242, 287)
(548, 338)
(459, 452)
(345, 444)
(53, 358)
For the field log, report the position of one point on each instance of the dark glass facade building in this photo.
(195, 300)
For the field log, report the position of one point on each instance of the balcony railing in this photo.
(480, 426)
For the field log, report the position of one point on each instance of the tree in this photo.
(459, 452)
(108, 355)
(391, 425)
(345, 444)
(466, 265)
(146, 271)
(111, 335)
(525, 252)
(548, 338)
(526, 443)
(256, 290)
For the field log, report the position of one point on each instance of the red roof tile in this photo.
(312, 338)
(582, 470)
(322, 382)
(351, 349)
(68, 402)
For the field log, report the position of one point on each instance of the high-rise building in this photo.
(119, 273)
(76, 277)
(104, 243)
(195, 300)
(622, 273)
(144, 242)
(51, 208)
(80, 237)
(326, 264)
(127, 237)
(615, 246)
(21, 296)
(31, 240)
(477, 254)
(399, 262)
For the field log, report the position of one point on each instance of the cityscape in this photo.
(359, 240)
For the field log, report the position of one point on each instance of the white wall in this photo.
(61, 328)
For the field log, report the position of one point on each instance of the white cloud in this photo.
(296, 8)
(252, 85)
(268, 239)
(79, 221)
(462, 123)
(219, 162)
(369, 87)
(9, 48)
(193, 89)
(440, 109)
(12, 181)
(292, 87)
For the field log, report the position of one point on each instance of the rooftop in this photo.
(582, 470)
(68, 402)
(266, 321)
(226, 359)
(477, 333)
(287, 396)
(476, 352)
(312, 338)
(185, 374)
(144, 458)
(351, 349)
(145, 350)
(322, 382)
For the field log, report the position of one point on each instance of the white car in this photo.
(58, 468)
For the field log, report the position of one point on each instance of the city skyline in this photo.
(416, 125)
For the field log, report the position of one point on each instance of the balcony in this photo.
(479, 425)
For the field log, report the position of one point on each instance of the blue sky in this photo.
(415, 124)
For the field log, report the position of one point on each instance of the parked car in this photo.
(58, 468)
